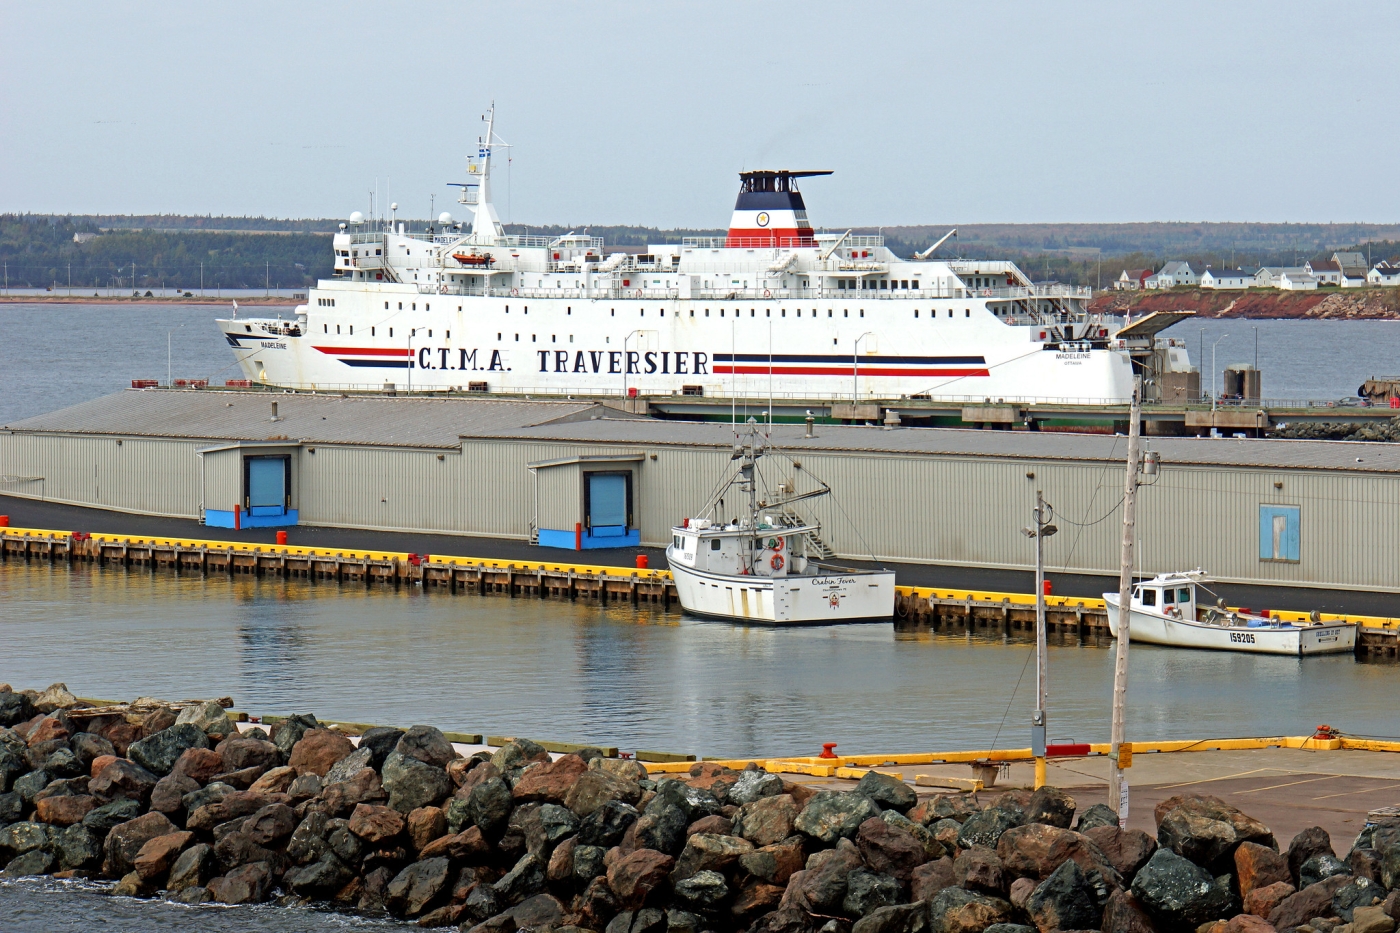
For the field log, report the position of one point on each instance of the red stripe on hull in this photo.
(827, 371)
(363, 351)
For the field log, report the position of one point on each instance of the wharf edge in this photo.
(935, 607)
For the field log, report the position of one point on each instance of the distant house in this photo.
(1268, 276)
(1353, 266)
(1173, 274)
(1131, 280)
(1226, 278)
(1384, 274)
(1295, 280)
(83, 237)
(1326, 271)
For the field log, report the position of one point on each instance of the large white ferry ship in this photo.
(773, 309)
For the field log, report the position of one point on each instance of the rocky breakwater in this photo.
(399, 823)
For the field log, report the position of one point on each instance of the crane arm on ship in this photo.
(929, 252)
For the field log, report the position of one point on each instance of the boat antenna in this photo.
(1117, 787)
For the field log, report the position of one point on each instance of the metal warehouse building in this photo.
(576, 474)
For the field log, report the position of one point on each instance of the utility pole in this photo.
(1117, 787)
(1039, 530)
(133, 277)
(267, 278)
(201, 280)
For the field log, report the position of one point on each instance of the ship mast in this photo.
(476, 192)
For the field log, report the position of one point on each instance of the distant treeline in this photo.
(40, 250)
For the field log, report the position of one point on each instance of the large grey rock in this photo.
(829, 816)
(104, 818)
(1359, 893)
(322, 877)
(19, 838)
(490, 805)
(607, 825)
(209, 717)
(125, 841)
(704, 890)
(1052, 806)
(1097, 815)
(418, 884)
(247, 884)
(428, 745)
(525, 879)
(411, 783)
(889, 792)
(11, 808)
(33, 862)
(868, 891)
(350, 765)
(1177, 892)
(897, 918)
(15, 708)
(194, 867)
(1320, 866)
(77, 847)
(693, 802)
(767, 820)
(954, 910)
(546, 826)
(289, 731)
(985, 828)
(13, 763)
(29, 785)
(158, 753)
(661, 828)
(752, 785)
(1309, 842)
(381, 740)
(709, 852)
(1067, 900)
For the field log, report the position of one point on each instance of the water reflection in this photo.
(609, 675)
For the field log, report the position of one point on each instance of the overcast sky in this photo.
(643, 112)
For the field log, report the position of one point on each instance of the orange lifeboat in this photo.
(473, 259)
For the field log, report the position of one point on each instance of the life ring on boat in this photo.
(775, 544)
(777, 562)
(515, 293)
(767, 293)
(442, 289)
(637, 293)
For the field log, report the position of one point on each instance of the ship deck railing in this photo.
(738, 293)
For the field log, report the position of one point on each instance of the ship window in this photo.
(337, 328)
(612, 312)
(371, 331)
(391, 332)
(553, 338)
(707, 312)
(386, 306)
(663, 312)
(914, 284)
(1149, 597)
(498, 335)
(752, 312)
(721, 312)
(884, 284)
(326, 328)
(845, 312)
(507, 309)
(532, 338)
(569, 309)
(415, 306)
(828, 312)
(714, 544)
(862, 312)
(571, 338)
(767, 312)
(517, 338)
(447, 334)
(1183, 595)
(967, 312)
(1167, 596)
(352, 328)
(400, 305)
(428, 307)
(916, 312)
(950, 312)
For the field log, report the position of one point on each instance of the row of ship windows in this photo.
(870, 285)
(412, 331)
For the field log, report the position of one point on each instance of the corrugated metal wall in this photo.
(223, 479)
(160, 477)
(943, 509)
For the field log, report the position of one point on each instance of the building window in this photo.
(1278, 532)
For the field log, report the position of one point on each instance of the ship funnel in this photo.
(770, 211)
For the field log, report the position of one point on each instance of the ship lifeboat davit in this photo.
(474, 259)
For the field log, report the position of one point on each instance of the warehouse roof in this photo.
(324, 419)
(1020, 445)
(215, 415)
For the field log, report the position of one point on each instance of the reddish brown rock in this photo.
(633, 877)
(364, 787)
(100, 762)
(231, 807)
(317, 751)
(376, 824)
(64, 811)
(167, 797)
(199, 764)
(1247, 923)
(274, 781)
(124, 779)
(931, 877)
(243, 778)
(1127, 850)
(424, 825)
(1036, 850)
(126, 839)
(467, 846)
(1259, 866)
(549, 783)
(247, 884)
(715, 825)
(890, 850)
(50, 729)
(270, 824)
(754, 898)
(240, 752)
(979, 869)
(159, 853)
(774, 864)
(1124, 913)
(158, 720)
(1262, 901)
(1313, 901)
(118, 731)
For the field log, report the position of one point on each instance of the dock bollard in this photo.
(4, 521)
(641, 562)
(281, 537)
(828, 750)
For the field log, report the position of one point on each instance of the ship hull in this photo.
(799, 349)
(1298, 641)
(790, 600)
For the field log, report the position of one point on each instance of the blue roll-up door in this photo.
(607, 504)
(267, 486)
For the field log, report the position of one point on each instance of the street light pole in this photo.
(168, 335)
(855, 371)
(1040, 530)
(624, 360)
(1117, 788)
(1212, 369)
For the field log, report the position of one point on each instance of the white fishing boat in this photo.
(765, 566)
(1165, 611)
